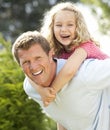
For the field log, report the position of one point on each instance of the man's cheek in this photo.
(25, 70)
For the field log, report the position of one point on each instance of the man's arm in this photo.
(60, 127)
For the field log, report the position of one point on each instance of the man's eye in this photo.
(25, 62)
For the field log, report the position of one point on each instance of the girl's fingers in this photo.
(52, 91)
(46, 104)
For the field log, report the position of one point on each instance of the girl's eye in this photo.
(70, 24)
(58, 25)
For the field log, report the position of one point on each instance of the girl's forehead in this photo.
(63, 11)
(67, 14)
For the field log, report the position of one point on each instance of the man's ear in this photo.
(51, 53)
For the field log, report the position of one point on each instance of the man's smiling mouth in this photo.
(37, 73)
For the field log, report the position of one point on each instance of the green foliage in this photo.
(103, 17)
(17, 111)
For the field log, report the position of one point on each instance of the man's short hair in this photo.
(26, 40)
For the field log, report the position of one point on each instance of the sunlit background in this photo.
(93, 27)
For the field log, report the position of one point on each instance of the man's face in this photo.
(36, 64)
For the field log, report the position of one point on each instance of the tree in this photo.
(101, 9)
(17, 111)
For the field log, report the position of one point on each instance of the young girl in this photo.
(65, 29)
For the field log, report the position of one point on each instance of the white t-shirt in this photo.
(83, 103)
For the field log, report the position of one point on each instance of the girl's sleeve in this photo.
(93, 51)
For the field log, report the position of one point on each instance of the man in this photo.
(83, 103)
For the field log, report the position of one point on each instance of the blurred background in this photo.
(17, 111)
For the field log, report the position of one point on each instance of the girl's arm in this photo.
(64, 76)
(70, 68)
(45, 92)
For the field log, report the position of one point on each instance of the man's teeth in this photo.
(37, 72)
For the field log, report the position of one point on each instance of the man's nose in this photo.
(33, 66)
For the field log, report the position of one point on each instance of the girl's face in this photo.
(64, 27)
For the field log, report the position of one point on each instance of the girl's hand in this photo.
(47, 95)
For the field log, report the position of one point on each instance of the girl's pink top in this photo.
(92, 50)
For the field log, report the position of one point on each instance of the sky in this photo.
(92, 24)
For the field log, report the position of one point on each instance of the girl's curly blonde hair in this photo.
(82, 33)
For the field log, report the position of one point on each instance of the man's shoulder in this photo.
(29, 90)
(60, 64)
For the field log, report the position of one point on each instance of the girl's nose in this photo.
(63, 28)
